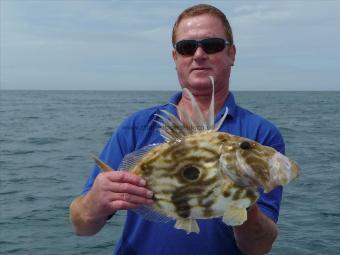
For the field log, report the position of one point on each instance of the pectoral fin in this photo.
(188, 225)
(234, 216)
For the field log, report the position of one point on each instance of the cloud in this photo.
(94, 44)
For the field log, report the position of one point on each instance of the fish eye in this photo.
(245, 145)
(191, 173)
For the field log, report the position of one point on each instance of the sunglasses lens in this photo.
(213, 45)
(209, 45)
(186, 47)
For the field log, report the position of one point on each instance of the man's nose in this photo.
(199, 53)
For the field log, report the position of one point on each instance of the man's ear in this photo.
(174, 55)
(232, 53)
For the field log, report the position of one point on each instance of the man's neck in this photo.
(204, 101)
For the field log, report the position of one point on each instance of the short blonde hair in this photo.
(200, 9)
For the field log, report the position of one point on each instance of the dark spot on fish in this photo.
(260, 167)
(245, 145)
(191, 173)
(180, 153)
(184, 152)
(208, 204)
(180, 199)
(199, 159)
(187, 192)
(172, 147)
(222, 137)
(208, 193)
(183, 213)
(146, 169)
(237, 195)
(181, 202)
(208, 212)
(226, 193)
(252, 195)
(212, 152)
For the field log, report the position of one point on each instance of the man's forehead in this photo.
(199, 20)
(205, 23)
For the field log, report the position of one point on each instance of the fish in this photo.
(201, 173)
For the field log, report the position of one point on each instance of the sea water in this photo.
(46, 138)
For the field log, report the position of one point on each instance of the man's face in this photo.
(193, 71)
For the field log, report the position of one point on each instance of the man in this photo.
(106, 193)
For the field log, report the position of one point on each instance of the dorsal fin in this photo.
(185, 116)
(174, 129)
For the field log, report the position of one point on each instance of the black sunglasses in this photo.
(209, 45)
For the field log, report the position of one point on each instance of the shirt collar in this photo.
(230, 103)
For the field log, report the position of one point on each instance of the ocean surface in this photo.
(46, 138)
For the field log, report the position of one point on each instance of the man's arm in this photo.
(257, 235)
(111, 191)
(83, 224)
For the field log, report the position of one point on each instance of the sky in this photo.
(126, 45)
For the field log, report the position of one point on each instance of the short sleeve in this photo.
(113, 152)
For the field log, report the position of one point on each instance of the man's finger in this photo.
(123, 205)
(130, 189)
(131, 198)
(125, 177)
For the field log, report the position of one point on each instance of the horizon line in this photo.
(148, 90)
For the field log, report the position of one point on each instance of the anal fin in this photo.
(234, 216)
(188, 225)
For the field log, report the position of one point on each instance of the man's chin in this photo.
(200, 86)
(201, 80)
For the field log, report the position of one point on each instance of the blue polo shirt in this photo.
(147, 238)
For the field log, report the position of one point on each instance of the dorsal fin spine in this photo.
(174, 124)
(178, 124)
(211, 113)
(167, 127)
(199, 119)
(220, 122)
(187, 119)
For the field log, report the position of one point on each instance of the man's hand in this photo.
(111, 191)
(257, 235)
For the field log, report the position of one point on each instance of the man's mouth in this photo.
(200, 69)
